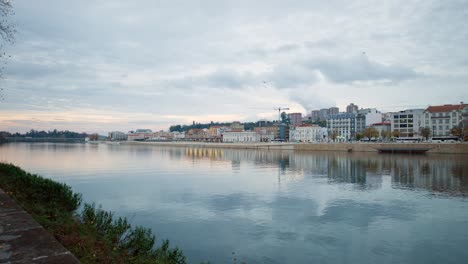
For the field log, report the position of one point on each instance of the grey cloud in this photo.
(288, 48)
(227, 79)
(147, 56)
(360, 68)
(291, 76)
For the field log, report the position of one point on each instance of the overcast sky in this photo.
(96, 66)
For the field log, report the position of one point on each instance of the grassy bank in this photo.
(92, 234)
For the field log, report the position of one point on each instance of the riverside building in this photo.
(308, 133)
(441, 119)
(295, 119)
(241, 137)
(343, 125)
(407, 123)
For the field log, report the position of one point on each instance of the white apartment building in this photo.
(117, 135)
(408, 122)
(308, 133)
(367, 117)
(343, 124)
(241, 137)
(441, 119)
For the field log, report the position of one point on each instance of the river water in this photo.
(230, 206)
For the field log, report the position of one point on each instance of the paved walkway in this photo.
(23, 240)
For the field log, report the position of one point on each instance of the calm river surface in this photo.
(272, 206)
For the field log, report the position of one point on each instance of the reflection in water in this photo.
(364, 170)
(273, 206)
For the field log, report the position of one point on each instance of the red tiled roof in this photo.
(381, 124)
(445, 108)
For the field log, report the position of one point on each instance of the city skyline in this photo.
(122, 66)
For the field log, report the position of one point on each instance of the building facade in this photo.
(267, 133)
(315, 115)
(352, 108)
(366, 117)
(295, 119)
(139, 136)
(241, 137)
(333, 110)
(323, 114)
(384, 129)
(117, 136)
(308, 133)
(407, 123)
(343, 126)
(441, 119)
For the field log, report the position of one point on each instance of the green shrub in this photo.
(93, 235)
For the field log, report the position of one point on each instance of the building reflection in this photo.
(436, 173)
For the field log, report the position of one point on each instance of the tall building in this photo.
(323, 114)
(342, 125)
(333, 110)
(295, 119)
(367, 117)
(352, 108)
(315, 115)
(407, 123)
(442, 118)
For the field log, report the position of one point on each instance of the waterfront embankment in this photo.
(435, 148)
(90, 233)
(24, 240)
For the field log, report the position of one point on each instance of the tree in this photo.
(456, 131)
(396, 134)
(359, 136)
(384, 134)
(334, 135)
(370, 133)
(93, 137)
(425, 132)
(7, 33)
(284, 118)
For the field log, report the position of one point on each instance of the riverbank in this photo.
(91, 234)
(24, 240)
(435, 148)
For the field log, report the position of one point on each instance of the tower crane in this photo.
(279, 112)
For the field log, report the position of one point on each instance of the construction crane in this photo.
(279, 112)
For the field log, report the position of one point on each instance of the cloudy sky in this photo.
(96, 66)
